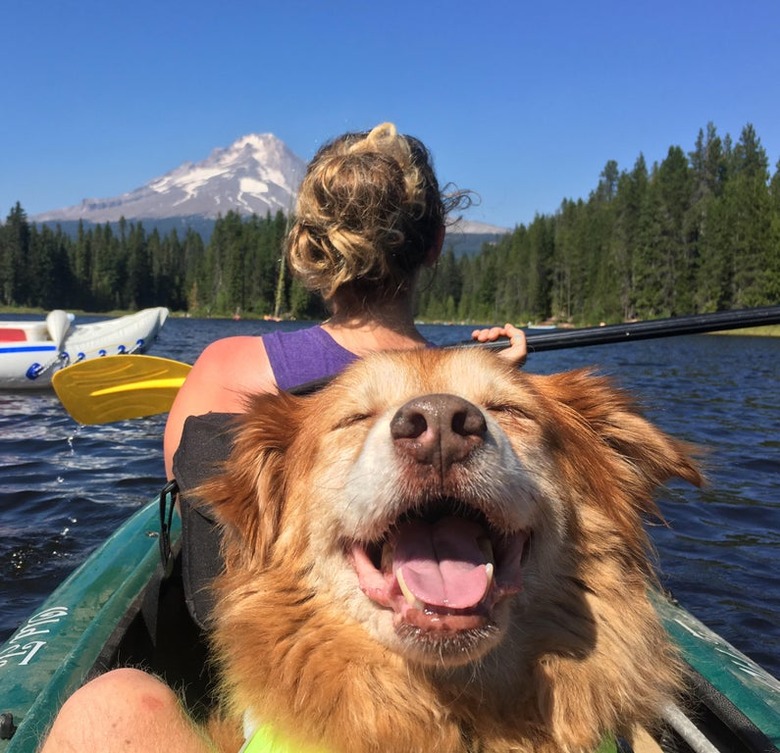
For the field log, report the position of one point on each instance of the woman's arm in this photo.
(223, 375)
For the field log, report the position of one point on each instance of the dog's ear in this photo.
(247, 497)
(633, 456)
(615, 417)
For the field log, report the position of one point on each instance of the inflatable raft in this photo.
(32, 352)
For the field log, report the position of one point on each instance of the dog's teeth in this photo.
(386, 563)
(411, 599)
(489, 570)
(486, 547)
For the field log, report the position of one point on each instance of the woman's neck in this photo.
(385, 325)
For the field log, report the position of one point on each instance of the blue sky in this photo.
(522, 102)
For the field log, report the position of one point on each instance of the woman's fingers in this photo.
(517, 351)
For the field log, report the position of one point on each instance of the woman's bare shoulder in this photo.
(221, 378)
(237, 365)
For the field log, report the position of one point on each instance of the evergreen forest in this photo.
(695, 233)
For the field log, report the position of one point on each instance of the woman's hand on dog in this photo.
(517, 351)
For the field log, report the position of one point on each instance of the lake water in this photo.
(65, 487)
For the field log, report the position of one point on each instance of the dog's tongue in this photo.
(441, 563)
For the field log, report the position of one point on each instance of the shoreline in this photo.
(768, 330)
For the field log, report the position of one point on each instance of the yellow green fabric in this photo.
(608, 745)
(266, 740)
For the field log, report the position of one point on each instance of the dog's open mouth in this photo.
(440, 571)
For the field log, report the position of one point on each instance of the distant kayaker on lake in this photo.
(370, 217)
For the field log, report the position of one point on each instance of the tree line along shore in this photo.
(695, 233)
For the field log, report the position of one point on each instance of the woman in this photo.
(370, 217)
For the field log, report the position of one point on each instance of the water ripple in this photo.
(65, 487)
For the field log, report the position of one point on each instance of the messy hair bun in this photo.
(369, 212)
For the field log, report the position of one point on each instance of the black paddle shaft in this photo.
(615, 333)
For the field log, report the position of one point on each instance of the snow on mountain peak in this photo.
(256, 174)
(258, 142)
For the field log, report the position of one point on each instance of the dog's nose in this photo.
(438, 430)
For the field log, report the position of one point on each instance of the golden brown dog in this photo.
(439, 553)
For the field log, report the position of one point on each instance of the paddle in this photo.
(647, 330)
(114, 388)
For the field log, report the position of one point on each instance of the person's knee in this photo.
(114, 704)
(126, 688)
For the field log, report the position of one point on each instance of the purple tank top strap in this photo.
(304, 355)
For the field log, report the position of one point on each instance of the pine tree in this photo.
(14, 256)
(567, 261)
(51, 269)
(650, 271)
(773, 257)
(193, 270)
(80, 255)
(541, 247)
(600, 298)
(631, 191)
(674, 184)
(139, 287)
(749, 214)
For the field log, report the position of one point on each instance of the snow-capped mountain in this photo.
(256, 174)
(473, 227)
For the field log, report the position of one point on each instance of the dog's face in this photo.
(433, 494)
(440, 500)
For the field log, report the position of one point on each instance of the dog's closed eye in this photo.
(351, 420)
(509, 409)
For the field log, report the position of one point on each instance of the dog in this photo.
(437, 552)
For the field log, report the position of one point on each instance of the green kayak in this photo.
(100, 618)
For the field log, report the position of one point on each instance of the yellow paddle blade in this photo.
(115, 388)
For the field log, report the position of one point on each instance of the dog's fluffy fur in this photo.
(312, 628)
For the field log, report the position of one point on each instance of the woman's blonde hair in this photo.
(369, 212)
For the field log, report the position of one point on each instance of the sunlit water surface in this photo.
(66, 487)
